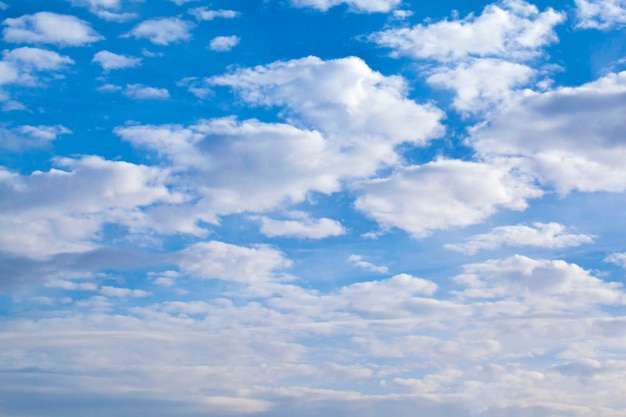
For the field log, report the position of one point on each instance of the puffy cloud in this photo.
(219, 260)
(543, 283)
(223, 43)
(368, 6)
(544, 235)
(617, 259)
(301, 226)
(357, 260)
(203, 13)
(49, 28)
(27, 58)
(584, 124)
(481, 83)
(110, 61)
(48, 213)
(123, 292)
(105, 9)
(24, 137)
(142, 92)
(443, 194)
(600, 14)
(163, 31)
(511, 29)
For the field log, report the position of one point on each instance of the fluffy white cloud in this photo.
(58, 211)
(49, 28)
(223, 43)
(301, 226)
(544, 235)
(600, 14)
(510, 29)
(357, 260)
(28, 58)
(617, 259)
(544, 283)
(355, 118)
(106, 9)
(142, 92)
(108, 291)
(24, 137)
(443, 194)
(163, 31)
(481, 83)
(110, 61)
(368, 6)
(218, 260)
(71, 285)
(585, 126)
(342, 97)
(203, 13)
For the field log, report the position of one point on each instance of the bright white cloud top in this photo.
(312, 207)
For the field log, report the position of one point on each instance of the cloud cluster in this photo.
(49, 28)
(600, 14)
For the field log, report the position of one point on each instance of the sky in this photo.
(277, 208)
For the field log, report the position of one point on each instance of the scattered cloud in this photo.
(123, 292)
(142, 92)
(28, 137)
(357, 260)
(301, 226)
(367, 6)
(49, 28)
(163, 31)
(600, 14)
(223, 43)
(617, 259)
(204, 13)
(111, 61)
(543, 235)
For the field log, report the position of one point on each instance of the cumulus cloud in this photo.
(617, 259)
(27, 58)
(26, 136)
(219, 260)
(223, 43)
(511, 29)
(203, 13)
(111, 61)
(301, 226)
(543, 235)
(49, 28)
(142, 92)
(117, 292)
(600, 14)
(358, 261)
(584, 124)
(163, 31)
(443, 194)
(543, 282)
(367, 6)
(47, 213)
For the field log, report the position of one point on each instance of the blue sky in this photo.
(312, 207)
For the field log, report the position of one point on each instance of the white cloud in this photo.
(481, 83)
(219, 260)
(302, 226)
(49, 28)
(600, 14)
(510, 29)
(203, 13)
(543, 283)
(28, 58)
(580, 155)
(181, 2)
(110, 61)
(357, 260)
(123, 292)
(48, 213)
(163, 31)
(368, 6)
(72, 285)
(223, 43)
(26, 136)
(617, 259)
(142, 92)
(443, 194)
(543, 235)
